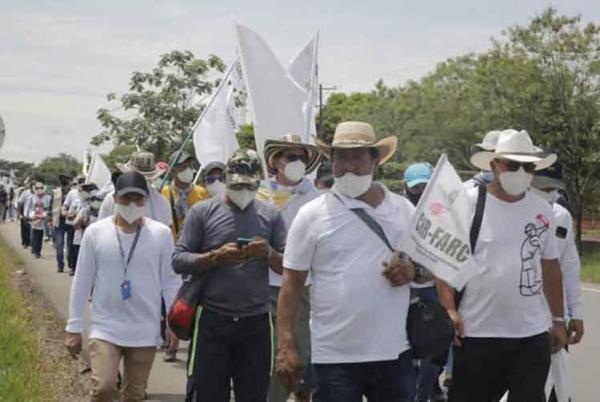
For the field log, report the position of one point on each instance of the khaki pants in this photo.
(105, 358)
(277, 392)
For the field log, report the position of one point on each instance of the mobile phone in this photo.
(243, 241)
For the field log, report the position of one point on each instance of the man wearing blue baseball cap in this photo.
(416, 178)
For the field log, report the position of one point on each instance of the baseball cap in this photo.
(244, 167)
(177, 158)
(131, 182)
(418, 173)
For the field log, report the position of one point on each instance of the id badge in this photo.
(125, 290)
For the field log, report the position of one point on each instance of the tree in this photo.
(246, 137)
(48, 169)
(162, 105)
(119, 154)
(567, 53)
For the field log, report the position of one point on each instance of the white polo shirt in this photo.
(506, 298)
(356, 314)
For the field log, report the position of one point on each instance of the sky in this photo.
(59, 59)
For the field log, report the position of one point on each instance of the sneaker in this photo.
(170, 356)
(72, 272)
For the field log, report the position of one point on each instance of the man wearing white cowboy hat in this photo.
(502, 321)
(288, 162)
(360, 293)
(157, 207)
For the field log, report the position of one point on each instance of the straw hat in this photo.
(290, 141)
(355, 134)
(144, 163)
(517, 146)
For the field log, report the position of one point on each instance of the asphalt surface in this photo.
(167, 380)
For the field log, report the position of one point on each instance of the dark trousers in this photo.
(59, 243)
(484, 368)
(75, 254)
(25, 233)
(71, 257)
(226, 348)
(37, 239)
(385, 381)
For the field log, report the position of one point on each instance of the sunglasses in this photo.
(513, 166)
(212, 179)
(39, 188)
(295, 157)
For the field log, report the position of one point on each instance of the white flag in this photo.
(98, 172)
(277, 100)
(438, 236)
(214, 133)
(304, 70)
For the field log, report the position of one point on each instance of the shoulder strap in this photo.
(370, 222)
(478, 218)
(173, 214)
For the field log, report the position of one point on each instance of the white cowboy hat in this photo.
(517, 146)
(144, 163)
(355, 134)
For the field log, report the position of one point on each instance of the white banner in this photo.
(98, 172)
(277, 100)
(438, 237)
(214, 134)
(304, 70)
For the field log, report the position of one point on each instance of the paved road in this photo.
(167, 380)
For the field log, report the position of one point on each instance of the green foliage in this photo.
(119, 154)
(48, 169)
(246, 137)
(543, 77)
(21, 169)
(162, 105)
(22, 377)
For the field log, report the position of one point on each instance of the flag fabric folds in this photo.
(438, 236)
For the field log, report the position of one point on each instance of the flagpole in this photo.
(198, 121)
(310, 105)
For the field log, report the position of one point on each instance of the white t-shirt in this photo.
(302, 193)
(570, 264)
(71, 200)
(157, 207)
(506, 298)
(134, 322)
(356, 314)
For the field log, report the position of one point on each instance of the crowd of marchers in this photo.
(298, 289)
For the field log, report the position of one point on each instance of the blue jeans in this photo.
(384, 381)
(59, 243)
(428, 372)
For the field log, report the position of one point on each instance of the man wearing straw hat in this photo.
(502, 321)
(360, 293)
(288, 162)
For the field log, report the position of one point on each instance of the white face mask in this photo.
(515, 183)
(352, 185)
(216, 188)
(186, 176)
(549, 196)
(295, 170)
(95, 204)
(84, 195)
(39, 192)
(130, 213)
(241, 198)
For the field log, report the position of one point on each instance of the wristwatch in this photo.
(559, 320)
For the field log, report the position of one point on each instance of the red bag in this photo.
(182, 312)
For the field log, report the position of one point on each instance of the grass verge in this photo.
(590, 267)
(33, 364)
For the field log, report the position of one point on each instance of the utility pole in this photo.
(321, 133)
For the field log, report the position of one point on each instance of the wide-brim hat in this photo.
(290, 141)
(517, 146)
(356, 134)
(143, 163)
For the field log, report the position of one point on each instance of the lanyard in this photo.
(131, 250)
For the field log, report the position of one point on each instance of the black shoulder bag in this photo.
(474, 234)
(428, 326)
